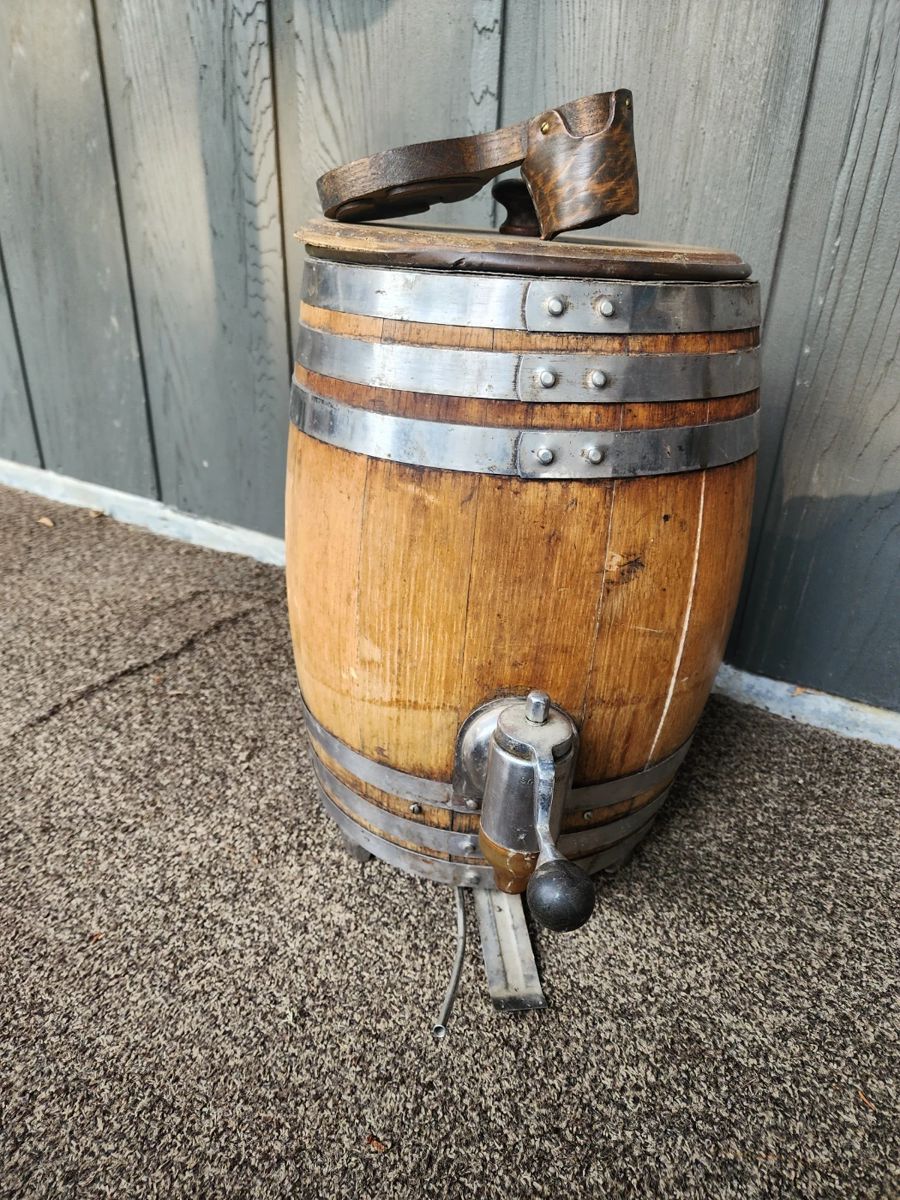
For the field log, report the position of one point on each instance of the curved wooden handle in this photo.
(578, 162)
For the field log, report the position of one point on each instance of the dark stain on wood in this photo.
(578, 162)
(622, 569)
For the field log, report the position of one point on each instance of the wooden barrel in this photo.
(512, 465)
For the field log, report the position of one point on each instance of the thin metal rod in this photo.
(439, 1028)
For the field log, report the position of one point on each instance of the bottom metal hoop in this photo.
(439, 870)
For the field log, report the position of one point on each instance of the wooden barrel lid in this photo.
(491, 252)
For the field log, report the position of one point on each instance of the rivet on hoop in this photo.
(587, 814)
(599, 379)
(469, 846)
(547, 378)
(606, 307)
(556, 306)
(473, 804)
(544, 455)
(415, 808)
(594, 455)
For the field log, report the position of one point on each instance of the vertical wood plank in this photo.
(190, 91)
(357, 76)
(64, 251)
(18, 440)
(728, 496)
(414, 570)
(823, 600)
(719, 95)
(325, 498)
(647, 587)
(537, 564)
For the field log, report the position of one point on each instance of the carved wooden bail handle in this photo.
(577, 160)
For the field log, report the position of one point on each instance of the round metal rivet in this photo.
(415, 808)
(599, 379)
(473, 804)
(556, 306)
(545, 127)
(594, 455)
(606, 307)
(587, 815)
(544, 455)
(469, 846)
(547, 378)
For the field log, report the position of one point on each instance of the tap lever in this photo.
(516, 758)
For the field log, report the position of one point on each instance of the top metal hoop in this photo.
(535, 304)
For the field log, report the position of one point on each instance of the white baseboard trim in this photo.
(147, 514)
(846, 717)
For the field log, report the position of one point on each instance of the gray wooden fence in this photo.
(155, 156)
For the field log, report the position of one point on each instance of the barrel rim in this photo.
(491, 252)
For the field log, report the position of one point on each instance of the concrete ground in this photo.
(203, 996)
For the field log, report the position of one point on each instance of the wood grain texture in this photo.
(325, 498)
(18, 439)
(64, 252)
(822, 606)
(415, 595)
(721, 551)
(719, 92)
(191, 99)
(579, 178)
(536, 570)
(392, 245)
(414, 578)
(647, 582)
(358, 76)
(577, 159)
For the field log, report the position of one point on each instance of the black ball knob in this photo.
(560, 895)
(521, 219)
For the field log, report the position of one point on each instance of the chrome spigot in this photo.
(519, 754)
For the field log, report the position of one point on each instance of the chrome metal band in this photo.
(538, 304)
(585, 454)
(440, 870)
(414, 788)
(447, 841)
(564, 378)
(626, 787)
(417, 790)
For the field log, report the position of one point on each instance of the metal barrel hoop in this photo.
(585, 454)
(434, 793)
(575, 378)
(472, 875)
(530, 303)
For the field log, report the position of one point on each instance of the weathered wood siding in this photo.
(64, 250)
(193, 122)
(822, 599)
(154, 160)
